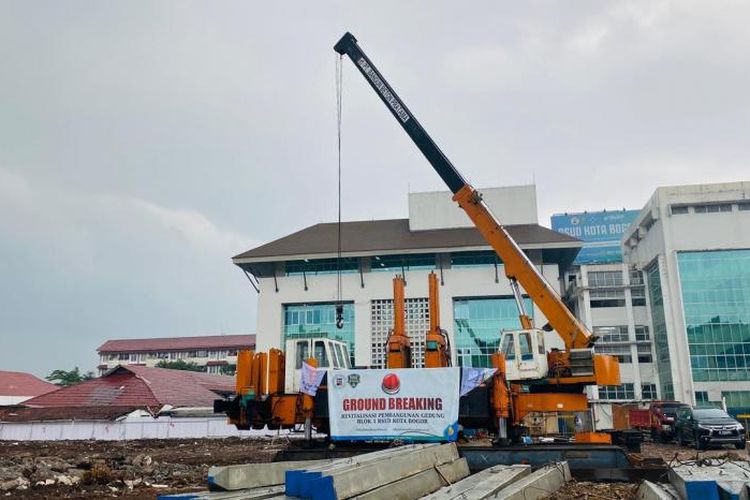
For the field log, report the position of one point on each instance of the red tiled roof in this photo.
(23, 384)
(179, 343)
(20, 414)
(139, 387)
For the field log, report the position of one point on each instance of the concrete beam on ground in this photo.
(420, 484)
(347, 483)
(727, 480)
(654, 491)
(538, 484)
(244, 476)
(481, 484)
(265, 492)
(298, 482)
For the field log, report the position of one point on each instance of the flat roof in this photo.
(179, 343)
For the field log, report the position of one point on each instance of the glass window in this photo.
(320, 354)
(679, 209)
(701, 397)
(663, 365)
(743, 206)
(407, 262)
(524, 340)
(623, 391)
(321, 266)
(318, 320)
(644, 353)
(641, 333)
(509, 347)
(540, 340)
(478, 324)
(303, 352)
(713, 208)
(605, 278)
(474, 259)
(648, 391)
(340, 355)
(621, 352)
(611, 333)
(715, 289)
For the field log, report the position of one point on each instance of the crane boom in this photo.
(517, 265)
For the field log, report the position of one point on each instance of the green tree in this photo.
(228, 370)
(180, 364)
(69, 377)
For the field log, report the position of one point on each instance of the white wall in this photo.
(437, 210)
(137, 425)
(464, 282)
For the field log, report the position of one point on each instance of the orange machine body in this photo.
(398, 344)
(436, 353)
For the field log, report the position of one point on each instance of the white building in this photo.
(215, 353)
(297, 280)
(693, 243)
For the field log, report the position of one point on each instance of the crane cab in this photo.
(525, 354)
(327, 352)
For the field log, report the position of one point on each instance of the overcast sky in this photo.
(142, 144)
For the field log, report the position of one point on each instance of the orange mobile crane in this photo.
(527, 381)
(528, 378)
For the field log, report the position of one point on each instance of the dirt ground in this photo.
(145, 469)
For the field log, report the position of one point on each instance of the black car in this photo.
(707, 426)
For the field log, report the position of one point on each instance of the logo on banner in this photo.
(338, 381)
(353, 380)
(391, 384)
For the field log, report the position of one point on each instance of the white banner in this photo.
(409, 404)
(310, 379)
(471, 378)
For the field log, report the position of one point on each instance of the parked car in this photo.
(663, 415)
(704, 427)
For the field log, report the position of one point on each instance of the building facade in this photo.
(215, 353)
(297, 280)
(693, 243)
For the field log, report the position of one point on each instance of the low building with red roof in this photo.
(107, 406)
(217, 353)
(16, 387)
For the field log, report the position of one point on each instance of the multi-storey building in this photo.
(297, 277)
(215, 353)
(693, 242)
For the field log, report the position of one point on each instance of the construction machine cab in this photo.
(327, 352)
(525, 354)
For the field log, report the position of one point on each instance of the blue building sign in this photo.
(599, 231)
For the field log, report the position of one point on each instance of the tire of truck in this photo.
(681, 439)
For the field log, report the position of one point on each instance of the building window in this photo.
(474, 259)
(607, 298)
(478, 323)
(636, 277)
(623, 391)
(407, 262)
(701, 397)
(713, 208)
(743, 206)
(644, 353)
(638, 296)
(648, 391)
(318, 320)
(661, 345)
(737, 401)
(321, 266)
(641, 333)
(621, 352)
(612, 333)
(123, 356)
(716, 301)
(417, 322)
(679, 209)
(605, 278)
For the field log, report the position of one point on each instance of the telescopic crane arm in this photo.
(518, 268)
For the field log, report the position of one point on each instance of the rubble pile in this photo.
(96, 469)
(594, 491)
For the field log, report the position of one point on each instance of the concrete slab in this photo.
(538, 484)
(299, 482)
(265, 492)
(728, 480)
(420, 484)
(238, 477)
(481, 484)
(347, 483)
(654, 491)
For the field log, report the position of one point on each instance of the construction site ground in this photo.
(144, 469)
